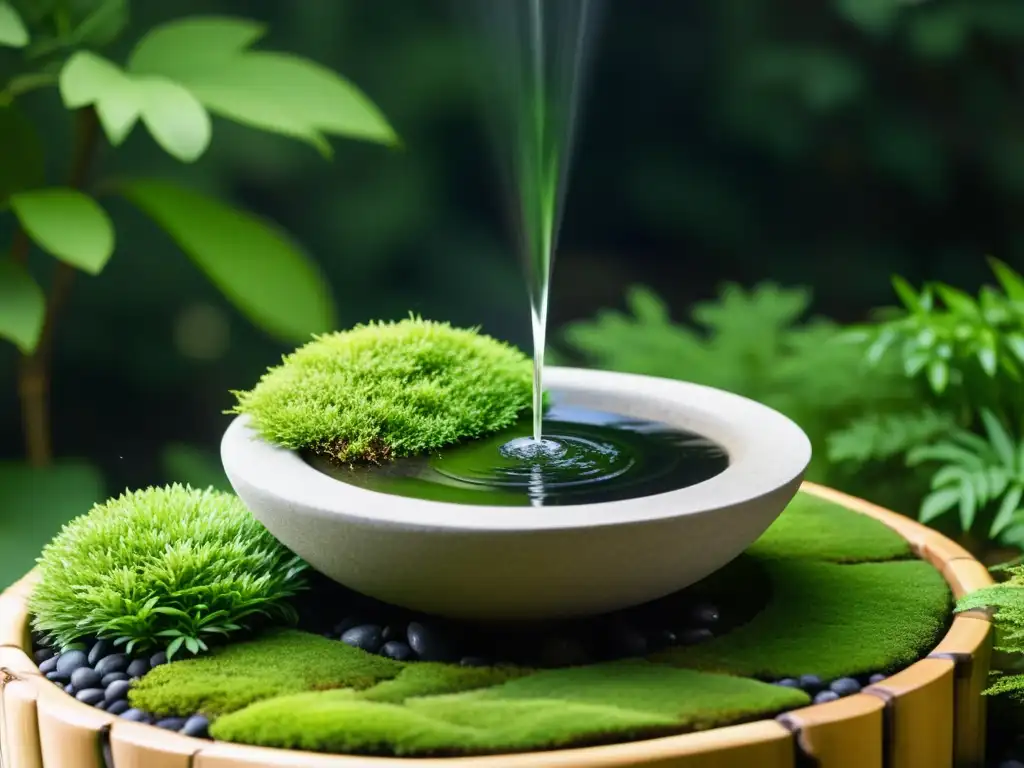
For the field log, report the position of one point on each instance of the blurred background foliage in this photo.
(798, 155)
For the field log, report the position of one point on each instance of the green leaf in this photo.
(22, 306)
(907, 294)
(174, 117)
(1015, 342)
(192, 644)
(256, 267)
(1009, 279)
(210, 43)
(22, 165)
(1004, 517)
(12, 29)
(938, 376)
(937, 503)
(174, 647)
(36, 503)
(90, 79)
(103, 25)
(999, 438)
(876, 17)
(292, 96)
(968, 506)
(68, 224)
(958, 301)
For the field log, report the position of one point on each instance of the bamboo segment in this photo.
(19, 741)
(71, 734)
(133, 745)
(842, 734)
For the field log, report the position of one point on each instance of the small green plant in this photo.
(385, 390)
(1006, 599)
(167, 567)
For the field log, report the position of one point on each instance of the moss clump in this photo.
(278, 663)
(431, 679)
(386, 390)
(163, 567)
(584, 705)
(831, 620)
(816, 529)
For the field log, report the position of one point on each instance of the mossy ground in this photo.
(844, 599)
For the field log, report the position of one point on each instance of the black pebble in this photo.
(171, 723)
(1011, 764)
(825, 697)
(69, 661)
(117, 690)
(666, 638)
(397, 650)
(694, 636)
(394, 632)
(90, 696)
(811, 683)
(118, 707)
(563, 652)
(98, 651)
(157, 659)
(196, 726)
(113, 677)
(117, 662)
(102, 705)
(878, 677)
(49, 665)
(135, 715)
(626, 641)
(138, 668)
(346, 624)
(43, 654)
(57, 677)
(845, 686)
(429, 643)
(83, 678)
(474, 661)
(788, 682)
(705, 614)
(365, 636)
(69, 689)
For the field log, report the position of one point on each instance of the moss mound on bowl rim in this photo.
(844, 600)
(386, 390)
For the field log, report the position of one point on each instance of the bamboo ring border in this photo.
(930, 715)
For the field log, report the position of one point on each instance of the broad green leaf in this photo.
(36, 503)
(1004, 517)
(185, 49)
(257, 268)
(174, 117)
(999, 438)
(21, 153)
(22, 306)
(938, 376)
(1009, 279)
(67, 224)
(907, 294)
(90, 79)
(968, 506)
(1015, 342)
(937, 503)
(12, 29)
(291, 96)
(104, 24)
(988, 360)
(958, 301)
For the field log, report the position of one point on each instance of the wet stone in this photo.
(83, 678)
(70, 661)
(158, 659)
(57, 677)
(665, 638)
(394, 632)
(429, 643)
(845, 686)
(117, 662)
(695, 636)
(825, 697)
(69, 689)
(135, 715)
(397, 650)
(102, 705)
(113, 677)
(366, 636)
(811, 684)
(876, 678)
(99, 650)
(48, 665)
(705, 614)
(91, 696)
(171, 723)
(117, 690)
(138, 668)
(346, 624)
(43, 654)
(196, 726)
(788, 682)
(118, 707)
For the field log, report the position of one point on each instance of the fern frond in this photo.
(879, 437)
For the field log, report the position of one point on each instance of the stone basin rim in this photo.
(767, 452)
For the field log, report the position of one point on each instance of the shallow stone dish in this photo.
(503, 563)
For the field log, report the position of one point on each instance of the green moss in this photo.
(163, 567)
(235, 676)
(386, 390)
(813, 528)
(831, 620)
(595, 704)
(430, 678)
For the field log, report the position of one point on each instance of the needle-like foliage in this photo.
(1007, 600)
(165, 568)
(385, 390)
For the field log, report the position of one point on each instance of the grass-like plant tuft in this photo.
(168, 568)
(386, 390)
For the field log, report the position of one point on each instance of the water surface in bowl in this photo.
(586, 457)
